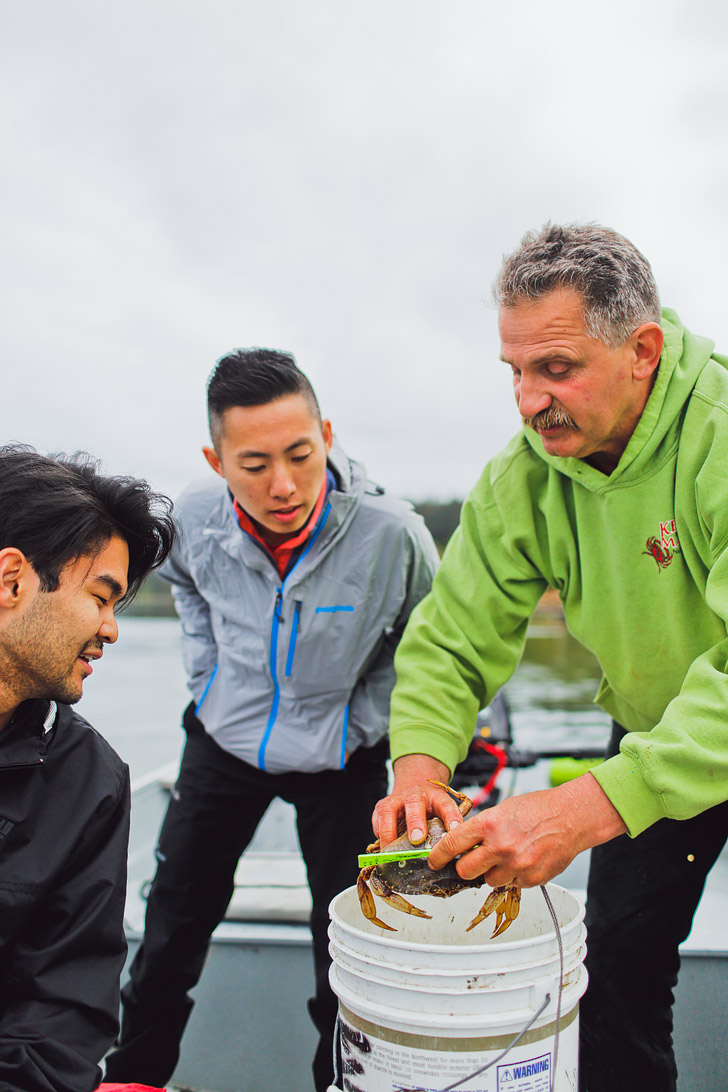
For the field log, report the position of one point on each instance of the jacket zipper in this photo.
(275, 627)
(294, 637)
(342, 758)
(209, 683)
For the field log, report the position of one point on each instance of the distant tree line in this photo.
(155, 598)
(441, 518)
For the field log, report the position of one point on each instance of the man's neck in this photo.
(603, 461)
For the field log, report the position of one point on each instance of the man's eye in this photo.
(253, 469)
(102, 600)
(300, 458)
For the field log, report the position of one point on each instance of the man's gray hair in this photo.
(614, 280)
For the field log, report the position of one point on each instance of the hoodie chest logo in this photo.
(663, 550)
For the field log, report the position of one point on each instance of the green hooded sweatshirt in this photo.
(639, 559)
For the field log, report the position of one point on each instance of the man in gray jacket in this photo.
(294, 578)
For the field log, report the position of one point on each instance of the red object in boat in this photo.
(501, 759)
(128, 1088)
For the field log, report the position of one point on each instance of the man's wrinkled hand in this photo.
(528, 840)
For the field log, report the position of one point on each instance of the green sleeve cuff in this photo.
(425, 739)
(623, 782)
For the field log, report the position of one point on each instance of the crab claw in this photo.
(505, 902)
(366, 901)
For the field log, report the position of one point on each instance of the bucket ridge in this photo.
(576, 950)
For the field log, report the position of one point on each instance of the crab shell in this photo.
(415, 877)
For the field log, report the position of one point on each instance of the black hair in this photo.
(58, 508)
(254, 377)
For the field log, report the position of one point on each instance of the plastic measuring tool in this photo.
(366, 859)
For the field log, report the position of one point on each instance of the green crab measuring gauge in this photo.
(366, 859)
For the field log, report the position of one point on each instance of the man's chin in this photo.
(66, 694)
(559, 441)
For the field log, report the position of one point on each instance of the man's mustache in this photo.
(553, 417)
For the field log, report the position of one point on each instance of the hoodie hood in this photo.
(684, 355)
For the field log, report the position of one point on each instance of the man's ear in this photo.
(214, 460)
(17, 576)
(647, 341)
(328, 433)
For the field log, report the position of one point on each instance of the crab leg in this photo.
(385, 892)
(505, 902)
(366, 901)
(464, 802)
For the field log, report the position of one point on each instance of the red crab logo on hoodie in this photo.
(664, 549)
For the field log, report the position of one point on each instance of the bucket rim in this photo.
(500, 943)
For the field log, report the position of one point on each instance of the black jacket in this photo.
(64, 826)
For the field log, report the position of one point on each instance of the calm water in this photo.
(136, 694)
(550, 695)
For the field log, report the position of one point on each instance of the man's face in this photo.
(583, 398)
(273, 457)
(48, 648)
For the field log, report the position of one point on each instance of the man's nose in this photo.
(281, 484)
(532, 396)
(109, 628)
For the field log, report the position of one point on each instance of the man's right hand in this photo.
(415, 798)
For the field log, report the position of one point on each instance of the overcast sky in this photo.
(337, 179)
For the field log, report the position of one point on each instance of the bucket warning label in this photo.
(374, 1064)
(531, 1075)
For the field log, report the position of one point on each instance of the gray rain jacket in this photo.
(290, 675)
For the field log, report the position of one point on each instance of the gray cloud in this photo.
(339, 180)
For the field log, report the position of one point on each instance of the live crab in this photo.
(393, 879)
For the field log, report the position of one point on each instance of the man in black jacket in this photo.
(74, 545)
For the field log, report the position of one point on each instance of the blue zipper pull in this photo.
(277, 607)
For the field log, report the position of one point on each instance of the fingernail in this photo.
(417, 835)
(454, 823)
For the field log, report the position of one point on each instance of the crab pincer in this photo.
(505, 902)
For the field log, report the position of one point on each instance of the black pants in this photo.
(217, 805)
(641, 898)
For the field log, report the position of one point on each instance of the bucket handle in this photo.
(514, 1041)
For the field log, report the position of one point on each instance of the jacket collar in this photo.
(25, 740)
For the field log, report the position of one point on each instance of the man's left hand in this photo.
(527, 840)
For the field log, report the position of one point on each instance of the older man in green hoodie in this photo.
(616, 494)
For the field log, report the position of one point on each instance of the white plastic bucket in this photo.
(429, 1004)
